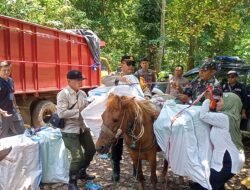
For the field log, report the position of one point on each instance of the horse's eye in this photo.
(115, 120)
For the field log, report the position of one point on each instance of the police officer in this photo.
(13, 124)
(147, 74)
(233, 85)
(202, 82)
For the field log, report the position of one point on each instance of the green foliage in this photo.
(55, 13)
(205, 27)
(195, 29)
(113, 21)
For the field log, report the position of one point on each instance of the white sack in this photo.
(190, 148)
(93, 112)
(21, 169)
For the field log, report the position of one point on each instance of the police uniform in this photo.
(199, 86)
(149, 77)
(238, 89)
(12, 125)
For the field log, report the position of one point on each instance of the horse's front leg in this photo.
(140, 177)
(153, 177)
(164, 175)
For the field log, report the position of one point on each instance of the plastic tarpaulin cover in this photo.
(54, 155)
(93, 112)
(21, 169)
(187, 143)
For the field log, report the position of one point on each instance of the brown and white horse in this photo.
(134, 120)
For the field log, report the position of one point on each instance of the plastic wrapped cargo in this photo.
(21, 169)
(186, 143)
(53, 155)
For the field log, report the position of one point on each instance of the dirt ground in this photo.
(102, 169)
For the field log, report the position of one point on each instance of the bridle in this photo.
(110, 133)
(138, 121)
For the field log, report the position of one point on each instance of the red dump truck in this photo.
(40, 58)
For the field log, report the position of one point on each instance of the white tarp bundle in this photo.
(187, 143)
(53, 155)
(92, 113)
(21, 169)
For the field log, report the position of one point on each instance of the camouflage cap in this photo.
(208, 65)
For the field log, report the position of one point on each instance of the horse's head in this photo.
(123, 115)
(114, 121)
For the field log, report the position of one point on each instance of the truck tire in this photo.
(42, 113)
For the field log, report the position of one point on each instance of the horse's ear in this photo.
(111, 95)
(126, 100)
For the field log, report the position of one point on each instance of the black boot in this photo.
(73, 183)
(115, 171)
(83, 175)
(134, 171)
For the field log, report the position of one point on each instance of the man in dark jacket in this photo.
(233, 85)
(13, 124)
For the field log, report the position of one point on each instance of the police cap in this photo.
(127, 57)
(234, 73)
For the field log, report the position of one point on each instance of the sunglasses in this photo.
(231, 77)
(130, 62)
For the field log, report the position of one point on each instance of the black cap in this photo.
(232, 73)
(127, 57)
(208, 65)
(75, 75)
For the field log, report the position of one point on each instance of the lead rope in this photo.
(119, 130)
(137, 166)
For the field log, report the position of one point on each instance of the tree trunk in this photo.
(162, 37)
(190, 63)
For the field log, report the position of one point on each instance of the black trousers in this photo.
(116, 151)
(218, 179)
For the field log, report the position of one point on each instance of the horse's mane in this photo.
(147, 107)
(116, 102)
